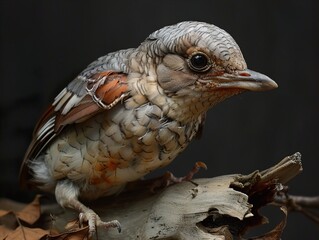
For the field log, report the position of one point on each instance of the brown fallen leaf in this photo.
(31, 213)
(74, 234)
(26, 233)
(276, 233)
(73, 224)
(28, 213)
(8, 220)
(4, 232)
(3, 212)
(11, 205)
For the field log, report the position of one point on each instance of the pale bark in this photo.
(211, 208)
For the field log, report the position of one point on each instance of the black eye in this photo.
(199, 62)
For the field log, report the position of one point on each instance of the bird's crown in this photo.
(178, 38)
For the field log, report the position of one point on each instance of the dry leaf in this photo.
(26, 233)
(72, 224)
(31, 213)
(75, 234)
(11, 205)
(4, 232)
(276, 233)
(9, 221)
(3, 212)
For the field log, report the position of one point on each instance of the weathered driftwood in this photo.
(212, 208)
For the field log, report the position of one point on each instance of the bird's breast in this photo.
(117, 147)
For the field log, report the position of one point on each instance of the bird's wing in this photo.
(80, 100)
(201, 121)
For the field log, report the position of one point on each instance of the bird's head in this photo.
(199, 65)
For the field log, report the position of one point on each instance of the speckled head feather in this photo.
(180, 37)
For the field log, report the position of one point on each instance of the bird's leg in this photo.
(169, 179)
(67, 193)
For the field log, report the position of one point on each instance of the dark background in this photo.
(44, 44)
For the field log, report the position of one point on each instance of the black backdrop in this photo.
(44, 44)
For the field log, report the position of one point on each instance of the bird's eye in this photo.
(199, 62)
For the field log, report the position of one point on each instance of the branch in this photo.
(308, 206)
(225, 206)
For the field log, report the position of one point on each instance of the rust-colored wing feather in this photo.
(79, 101)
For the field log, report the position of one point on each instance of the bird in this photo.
(133, 111)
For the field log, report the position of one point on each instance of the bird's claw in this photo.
(110, 224)
(169, 179)
(194, 170)
(94, 221)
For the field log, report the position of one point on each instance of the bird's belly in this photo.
(105, 153)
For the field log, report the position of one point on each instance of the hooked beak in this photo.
(246, 80)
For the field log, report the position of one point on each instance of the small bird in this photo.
(133, 111)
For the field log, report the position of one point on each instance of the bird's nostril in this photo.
(244, 74)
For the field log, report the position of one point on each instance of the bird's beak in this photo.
(246, 80)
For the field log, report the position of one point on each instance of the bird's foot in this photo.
(94, 221)
(169, 179)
